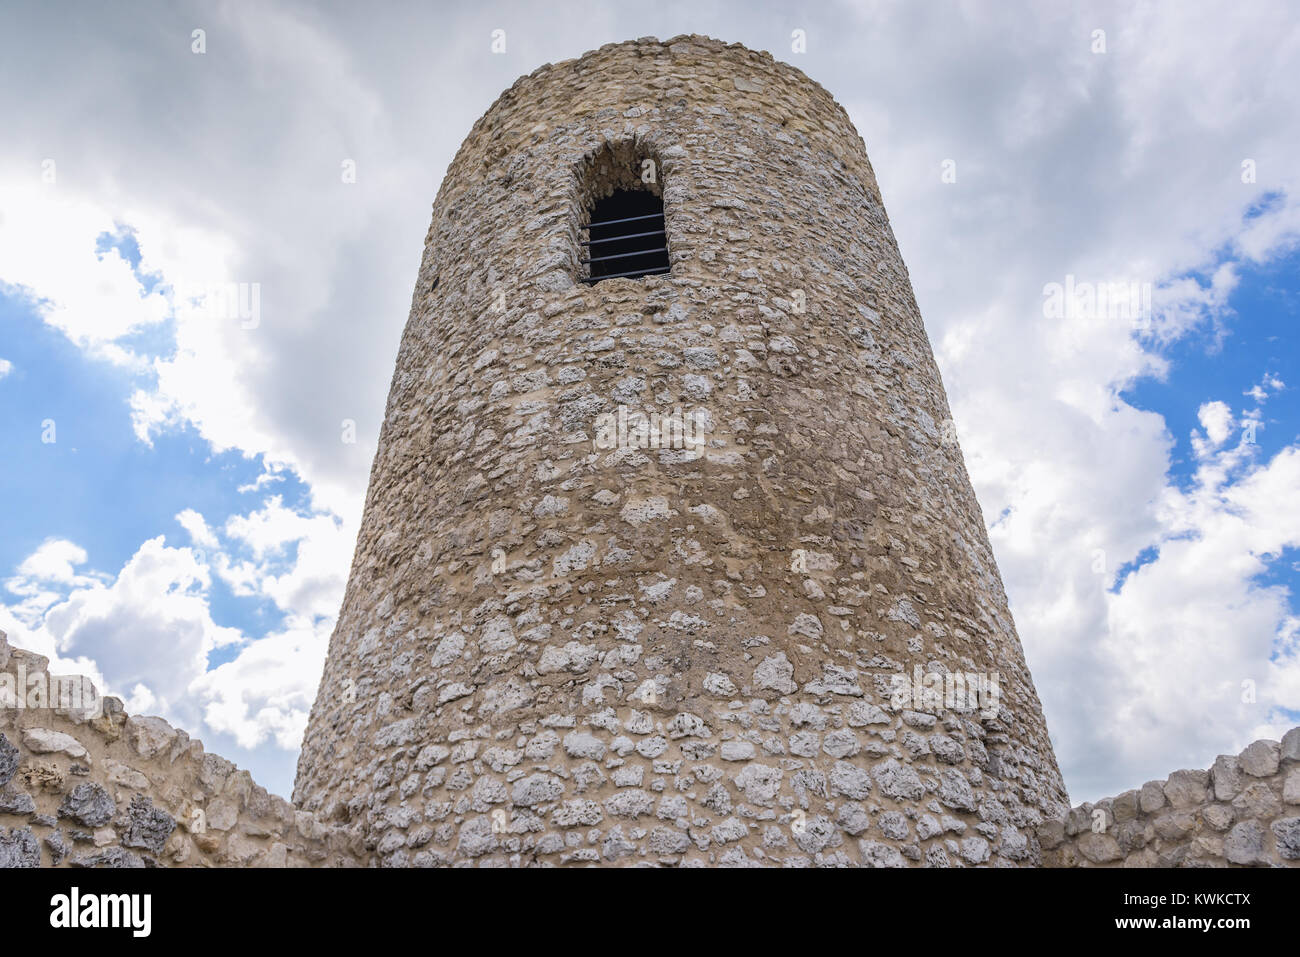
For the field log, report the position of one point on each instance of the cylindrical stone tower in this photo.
(680, 567)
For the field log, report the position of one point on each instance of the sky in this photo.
(209, 241)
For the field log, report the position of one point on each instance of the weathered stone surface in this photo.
(955, 791)
(1244, 844)
(45, 741)
(127, 776)
(149, 736)
(709, 627)
(1289, 750)
(1218, 816)
(1226, 775)
(1175, 825)
(8, 760)
(59, 848)
(1287, 833)
(88, 804)
(1125, 807)
(855, 783)
(148, 827)
(19, 848)
(1051, 834)
(774, 674)
(876, 854)
(1257, 800)
(536, 789)
(759, 783)
(14, 801)
(1260, 759)
(1099, 848)
(1151, 797)
(1291, 787)
(113, 857)
(975, 850)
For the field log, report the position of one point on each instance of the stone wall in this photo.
(94, 787)
(554, 652)
(83, 784)
(1243, 812)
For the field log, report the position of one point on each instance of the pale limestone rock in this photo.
(125, 775)
(45, 741)
(1260, 759)
(149, 735)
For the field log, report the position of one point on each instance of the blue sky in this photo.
(1251, 362)
(1257, 339)
(1234, 362)
(97, 483)
(187, 537)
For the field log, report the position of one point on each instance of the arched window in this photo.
(624, 233)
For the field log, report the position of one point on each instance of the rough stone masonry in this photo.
(84, 784)
(555, 652)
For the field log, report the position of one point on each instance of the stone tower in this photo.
(683, 567)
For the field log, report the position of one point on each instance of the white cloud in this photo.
(1196, 630)
(268, 690)
(94, 298)
(54, 561)
(6, 367)
(1216, 418)
(312, 585)
(197, 527)
(1260, 390)
(44, 576)
(151, 626)
(146, 634)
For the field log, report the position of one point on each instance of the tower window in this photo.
(619, 225)
(626, 237)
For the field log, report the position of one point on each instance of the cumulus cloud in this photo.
(54, 561)
(149, 627)
(44, 576)
(147, 633)
(1197, 631)
(307, 583)
(92, 296)
(267, 691)
(1269, 385)
(1216, 418)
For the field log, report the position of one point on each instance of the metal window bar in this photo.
(658, 269)
(614, 239)
(636, 252)
(630, 219)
